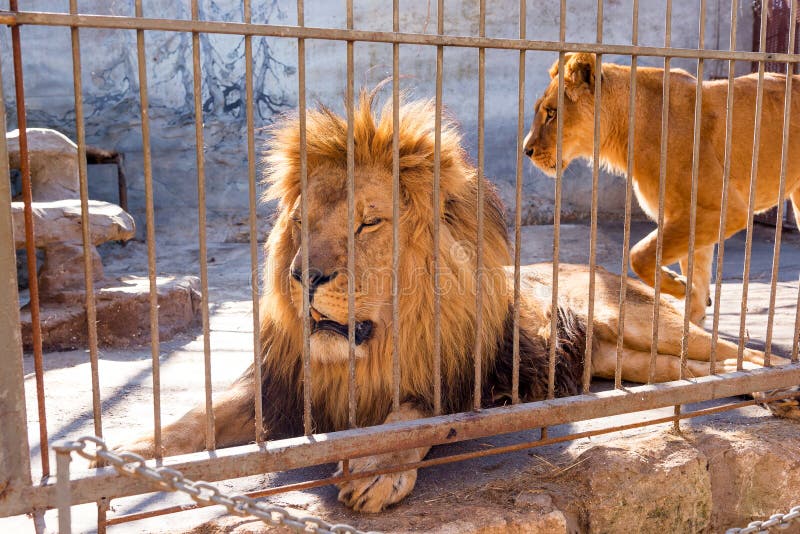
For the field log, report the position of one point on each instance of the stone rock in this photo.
(63, 268)
(754, 470)
(654, 484)
(60, 222)
(123, 313)
(53, 163)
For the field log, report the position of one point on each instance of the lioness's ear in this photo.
(578, 74)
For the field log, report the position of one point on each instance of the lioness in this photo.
(281, 305)
(578, 139)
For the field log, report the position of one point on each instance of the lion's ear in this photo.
(579, 74)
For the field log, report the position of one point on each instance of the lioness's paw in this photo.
(787, 408)
(374, 493)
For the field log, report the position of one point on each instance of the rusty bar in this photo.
(796, 341)
(662, 185)
(292, 453)
(201, 227)
(523, 8)
(598, 69)
(14, 448)
(63, 459)
(30, 248)
(437, 151)
(776, 255)
(748, 244)
(478, 350)
(151, 233)
(726, 175)
(626, 234)
(351, 244)
(431, 462)
(333, 34)
(251, 183)
(551, 372)
(88, 271)
(304, 235)
(698, 115)
(395, 209)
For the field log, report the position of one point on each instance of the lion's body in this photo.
(615, 90)
(281, 310)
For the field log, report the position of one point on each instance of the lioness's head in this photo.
(577, 114)
(372, 233)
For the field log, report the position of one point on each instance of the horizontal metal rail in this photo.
(335, 34)
(294, 453)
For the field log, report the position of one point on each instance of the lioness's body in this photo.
(615, 90)
(281, 333)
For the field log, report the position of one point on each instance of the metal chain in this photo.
(781, 521)
(165, 478)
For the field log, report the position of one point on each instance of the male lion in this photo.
(578, 139)
(281, 305)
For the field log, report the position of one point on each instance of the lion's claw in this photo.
(373, 494)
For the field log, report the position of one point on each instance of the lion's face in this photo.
(328, 260)
(577, 114)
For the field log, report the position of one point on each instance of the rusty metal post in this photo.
(15, 466)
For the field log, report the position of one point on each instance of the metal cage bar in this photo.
(726, 175)
(147, 160)
(662, 185)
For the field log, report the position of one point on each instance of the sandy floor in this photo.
(126, 380)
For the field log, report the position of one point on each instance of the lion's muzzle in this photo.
(322, 323)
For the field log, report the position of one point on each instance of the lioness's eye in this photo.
(550, 113)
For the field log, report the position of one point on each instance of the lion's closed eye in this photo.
(369, 224)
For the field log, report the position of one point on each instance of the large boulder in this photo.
(53, 163)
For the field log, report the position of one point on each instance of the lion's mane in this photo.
(281, 329)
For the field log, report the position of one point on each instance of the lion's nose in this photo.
(528, 151)
(315, 277)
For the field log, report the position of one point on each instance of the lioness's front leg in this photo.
(374, 493)
(233, 423)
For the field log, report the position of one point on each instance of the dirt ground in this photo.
(126, 379)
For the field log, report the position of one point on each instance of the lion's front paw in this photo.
(376, 492)
(788, 408)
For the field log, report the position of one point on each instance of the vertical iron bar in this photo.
(201, 226)
(304, 234)
(626, 235)
(351, 245)
(698, 116)
(251, 182)
(14, 447)
(748, 245)
(776, 254)
(796, 340)
(478, 352)
(662, 181)
(151, 232)
(598, 69)
(551, 374)
(437, 151)
(30, 249)
(91, 312)
(523, 8)
(63, 493)
(395, 209)
(726, 174)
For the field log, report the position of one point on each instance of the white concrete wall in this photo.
(110, 85)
